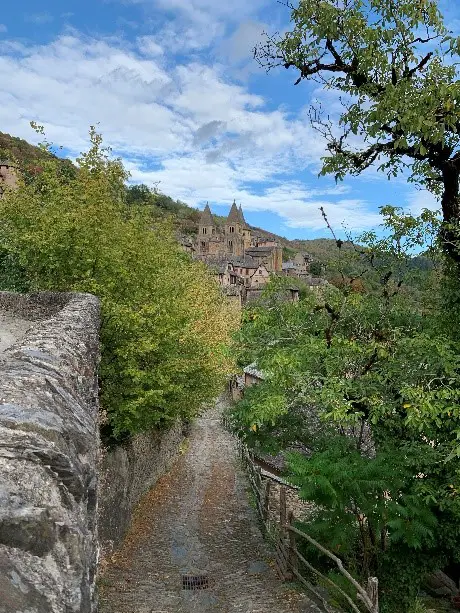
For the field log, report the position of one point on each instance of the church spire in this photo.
(242, 219)
(206, 217)
(234, 215)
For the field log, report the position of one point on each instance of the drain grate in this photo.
(195, 582)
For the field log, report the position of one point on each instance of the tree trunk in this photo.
(450, 229)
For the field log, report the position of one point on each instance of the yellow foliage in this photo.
(165, 323)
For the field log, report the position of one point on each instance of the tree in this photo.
(316, 268)
(165, 323)
(394, 63)
(367, 386)
(139, 195)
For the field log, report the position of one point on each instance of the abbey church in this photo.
(236, 242)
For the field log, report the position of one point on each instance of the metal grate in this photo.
(195, 582)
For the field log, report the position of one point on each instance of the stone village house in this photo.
(8, 176)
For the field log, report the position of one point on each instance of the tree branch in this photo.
(420, 65)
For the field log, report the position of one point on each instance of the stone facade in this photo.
(235, 239)
(49, 444)
(299, 266)
(126, 473)
(260, 277)
(8, 176)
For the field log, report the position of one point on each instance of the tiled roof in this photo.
(246, 262)
(253, 371)
(260, 249)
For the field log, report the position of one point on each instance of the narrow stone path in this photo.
(198, 520)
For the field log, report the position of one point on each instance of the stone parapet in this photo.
(49, 445)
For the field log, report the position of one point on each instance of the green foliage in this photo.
(316, 269)
(373, 51)
(367, 385)
(288, 253)
(30, 159)
(378, 55)
(165, 324)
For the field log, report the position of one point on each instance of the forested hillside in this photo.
(185, 218)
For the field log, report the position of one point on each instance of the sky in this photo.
(173, 87)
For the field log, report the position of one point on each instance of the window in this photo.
(203, 246)
(230, 245)
(231, 229)
(204, 231)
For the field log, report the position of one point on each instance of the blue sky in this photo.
(174, 89)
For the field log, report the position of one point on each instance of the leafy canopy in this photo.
(394, 64)
(165, 324)
(366, 385)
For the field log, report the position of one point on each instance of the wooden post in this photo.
(284, 549)
(293, 560)
(373, 593)
(282, 511)
(266, 501)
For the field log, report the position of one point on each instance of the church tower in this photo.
(234, 237)
(246, 231)
(207, 230)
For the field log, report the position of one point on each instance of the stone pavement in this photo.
(198, 520)
(12, 329)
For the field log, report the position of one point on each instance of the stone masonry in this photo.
(48, 452)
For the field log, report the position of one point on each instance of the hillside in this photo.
(29, 158)
(19, 150)
(186, 218)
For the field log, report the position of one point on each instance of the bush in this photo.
(165, 324)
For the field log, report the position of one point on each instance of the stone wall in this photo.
(50, 500)
(48, 454)
(126, 473)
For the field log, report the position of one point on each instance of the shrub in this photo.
(165, 324)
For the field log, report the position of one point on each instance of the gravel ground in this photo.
(198, 520)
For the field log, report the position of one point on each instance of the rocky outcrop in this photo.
(48, 456)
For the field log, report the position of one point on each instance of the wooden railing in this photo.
(285, 536)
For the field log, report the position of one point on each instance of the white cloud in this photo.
(239, 46)
(149, 46)
(181, 36)
(195, 182)
(420, 199)
(3, 28)
(197, 10)
(196, 25)
(188, 126)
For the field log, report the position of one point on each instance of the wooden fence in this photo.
(289, 560)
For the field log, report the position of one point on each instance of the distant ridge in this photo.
(30, 156)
